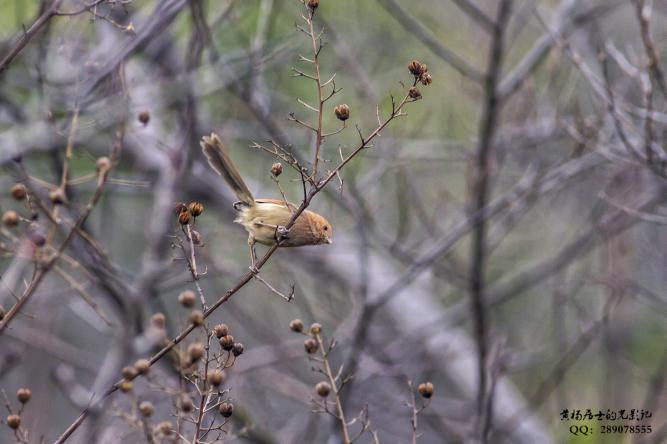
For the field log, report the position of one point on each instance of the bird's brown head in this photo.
(323, 229)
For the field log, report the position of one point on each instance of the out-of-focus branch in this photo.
(643, 13)
(474, 12)
(490, 117)
(46, 266)
(25, 38)
(561, 26)
(424, 35)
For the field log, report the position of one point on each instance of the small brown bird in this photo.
(265, 219)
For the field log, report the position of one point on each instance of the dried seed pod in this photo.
(158, 320)
(315, 329)
(126, 386)
(165, 428)
(227, 342)
(425, 389)
(18, 191)
(414, 93)
(129, 373)
(57, 196)
(23, 395)
(142, 366)
(226, 409)
(416, 68)
(296, 325)
(310, 345)
(238, 349)
(179, 208)
(10, 218)
(277, 169)
(323, 389)
(221, 330)
(185, 403)
(216, 377)
(196, 317)
(196, 208)
(184, 217)
(187, 298)
(146, 408)
(14, 421)
(342, 112)
(313, 4)
(103, 164)
(195, 352)
(144, 117)
(426, 79)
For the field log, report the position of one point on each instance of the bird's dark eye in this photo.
(326, 228)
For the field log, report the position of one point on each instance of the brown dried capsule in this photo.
(226, 409)
(315, 329)
(415, 68)
(126, 386)
(426, 79)
(179, 208)
(14, 421)
(129, 373)
(221, 330)
(158, 320)
(146, 408)
(184, 217)
(18, 191)
(196, 208)
(425, 389)
(23, 395)
(216, 377)
(277, 169)
(323, 389)
(187, 298)
(227, 342)
(165, 428)
(296, 325)
(196, 317)
(103, 164)
(10, 218)
(144, 117)
(310, 345)
(195, 352)
(185, 403)
(342, 112)
(414, 93)
(313, 4)
(57, 196)
(238, 349)
(142, 366)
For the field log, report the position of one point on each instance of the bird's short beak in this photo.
(328, 240)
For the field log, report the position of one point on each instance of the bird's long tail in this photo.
(220, 161)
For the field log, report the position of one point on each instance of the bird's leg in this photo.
(253, 255)
(281, 233)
